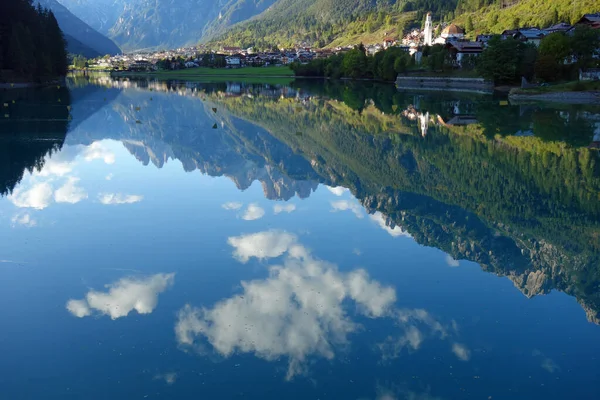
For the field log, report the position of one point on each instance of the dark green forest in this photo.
(356, 64)
(32, 46)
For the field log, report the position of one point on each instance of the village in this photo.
(198, 56)
(453, 37)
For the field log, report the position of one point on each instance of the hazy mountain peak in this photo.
(81, 38)
(145, 24)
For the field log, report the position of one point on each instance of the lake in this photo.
(313, 241)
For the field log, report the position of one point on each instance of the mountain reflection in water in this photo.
(515, 189)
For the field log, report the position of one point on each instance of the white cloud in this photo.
(55, 167)
(97, 151)
(79, 308)
(109, 177)
(451, 261)
(549, 365)
(61, 163)
(253, 212)
(421, 316)
(261, 245)
(380, 220)
(232, 205)
(38, 196)
(369, 294)
(461, 351)
(417, 326)
(392, 347)
(122, 297)
(169, 378)
(344, 205)
(300, 310)
(24, 219)
(119, 198)
(338, 191)
(296, 312)
(288, 208)
(70, 193)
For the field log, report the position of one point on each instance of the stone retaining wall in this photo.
(442, 83)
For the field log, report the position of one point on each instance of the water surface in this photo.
(317, 241)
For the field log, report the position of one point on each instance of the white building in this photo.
(428, 32)
(233, 61)
(424, 123)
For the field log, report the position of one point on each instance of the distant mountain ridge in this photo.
(81, 38)
(154, 24)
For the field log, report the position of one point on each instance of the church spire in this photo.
(428, 32)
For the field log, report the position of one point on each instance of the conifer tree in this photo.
(32, 45)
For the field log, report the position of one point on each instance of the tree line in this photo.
(385, 65)
(558, 57)
(32, 46)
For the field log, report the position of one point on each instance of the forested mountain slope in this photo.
(321, 22)
(491, 16)
(339, 22)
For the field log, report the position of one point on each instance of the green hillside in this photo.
(330, 22)
(493, 18)
(327, 23)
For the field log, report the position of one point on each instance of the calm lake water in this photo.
(311, 241)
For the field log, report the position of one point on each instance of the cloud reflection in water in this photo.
(295, 312)
(122, 297)
(298, 311)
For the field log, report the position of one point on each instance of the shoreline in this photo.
(182, 77)
(28, 85)
(445, 89)
(202, 72)
(227, 75)
(440, 83)
(585, 97)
